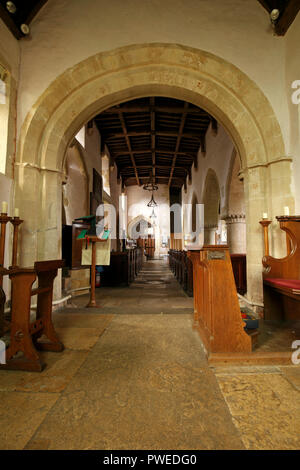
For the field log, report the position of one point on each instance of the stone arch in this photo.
(109, 78)
(75, 196)
(235, 215)
(135, 221)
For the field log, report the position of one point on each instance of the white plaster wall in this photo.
(236, 196)
(75, 191)
(6, 192)
(219, 150)
(91, 153)
(137, 200)
(9, 51)
(10, 61)
(65, 33)
(292, 74)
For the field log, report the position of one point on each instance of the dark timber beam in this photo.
(157, 151)
(179, 136)
(214, 126)
(187, 135)
(203, 145)
(157, 109)
(123, 124)
(288, 12)
(157, 167)
(153, 139)
(286, 19)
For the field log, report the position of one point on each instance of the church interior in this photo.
(150, 236)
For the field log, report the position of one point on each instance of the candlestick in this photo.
(16, 221)
(16, 213)
(3, 221)
(4, 207)
(265, 224)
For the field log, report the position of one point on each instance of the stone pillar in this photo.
(210, 234)
(38, 195)
(236, 233)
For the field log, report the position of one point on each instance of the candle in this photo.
(4, 207)
(16, 213)
(265, 215)
(286, 210)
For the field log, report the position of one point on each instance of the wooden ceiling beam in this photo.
(155, 108)
(286, 19)
(187, 135)
(214, 126)
(123, 124)
(153, 139)
(288, 12)
(180, 132)
(157, 150)
(148, 167)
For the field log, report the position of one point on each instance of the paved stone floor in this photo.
(134, 376)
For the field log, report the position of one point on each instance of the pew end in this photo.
(281, 278)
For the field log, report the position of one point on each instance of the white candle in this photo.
(4, 207)
(286, 210)
(265, 215)
(16, 213)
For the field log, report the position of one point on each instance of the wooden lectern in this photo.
(93, 239)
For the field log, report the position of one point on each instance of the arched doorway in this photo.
(144, 233)
(135, 71)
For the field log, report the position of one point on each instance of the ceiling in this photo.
(24, 14)
(27, 9)
(154, 136)
(288, 11)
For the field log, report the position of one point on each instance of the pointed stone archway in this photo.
(109, 78)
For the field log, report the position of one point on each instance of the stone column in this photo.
(209, 234)
(236, 233)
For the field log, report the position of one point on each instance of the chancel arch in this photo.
(176, 71)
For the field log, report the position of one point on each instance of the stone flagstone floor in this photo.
(134, 376)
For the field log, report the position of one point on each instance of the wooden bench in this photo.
(281, 277)
(182, 268)
(24, 333)
(124, 267)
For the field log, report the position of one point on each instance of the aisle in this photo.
(134, 376)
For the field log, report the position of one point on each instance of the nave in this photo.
(133, 375)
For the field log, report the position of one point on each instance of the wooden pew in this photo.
(238, 262)
(217, 314)
(123, 269)
(182, 268)
(24, 334)
(281, 277)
